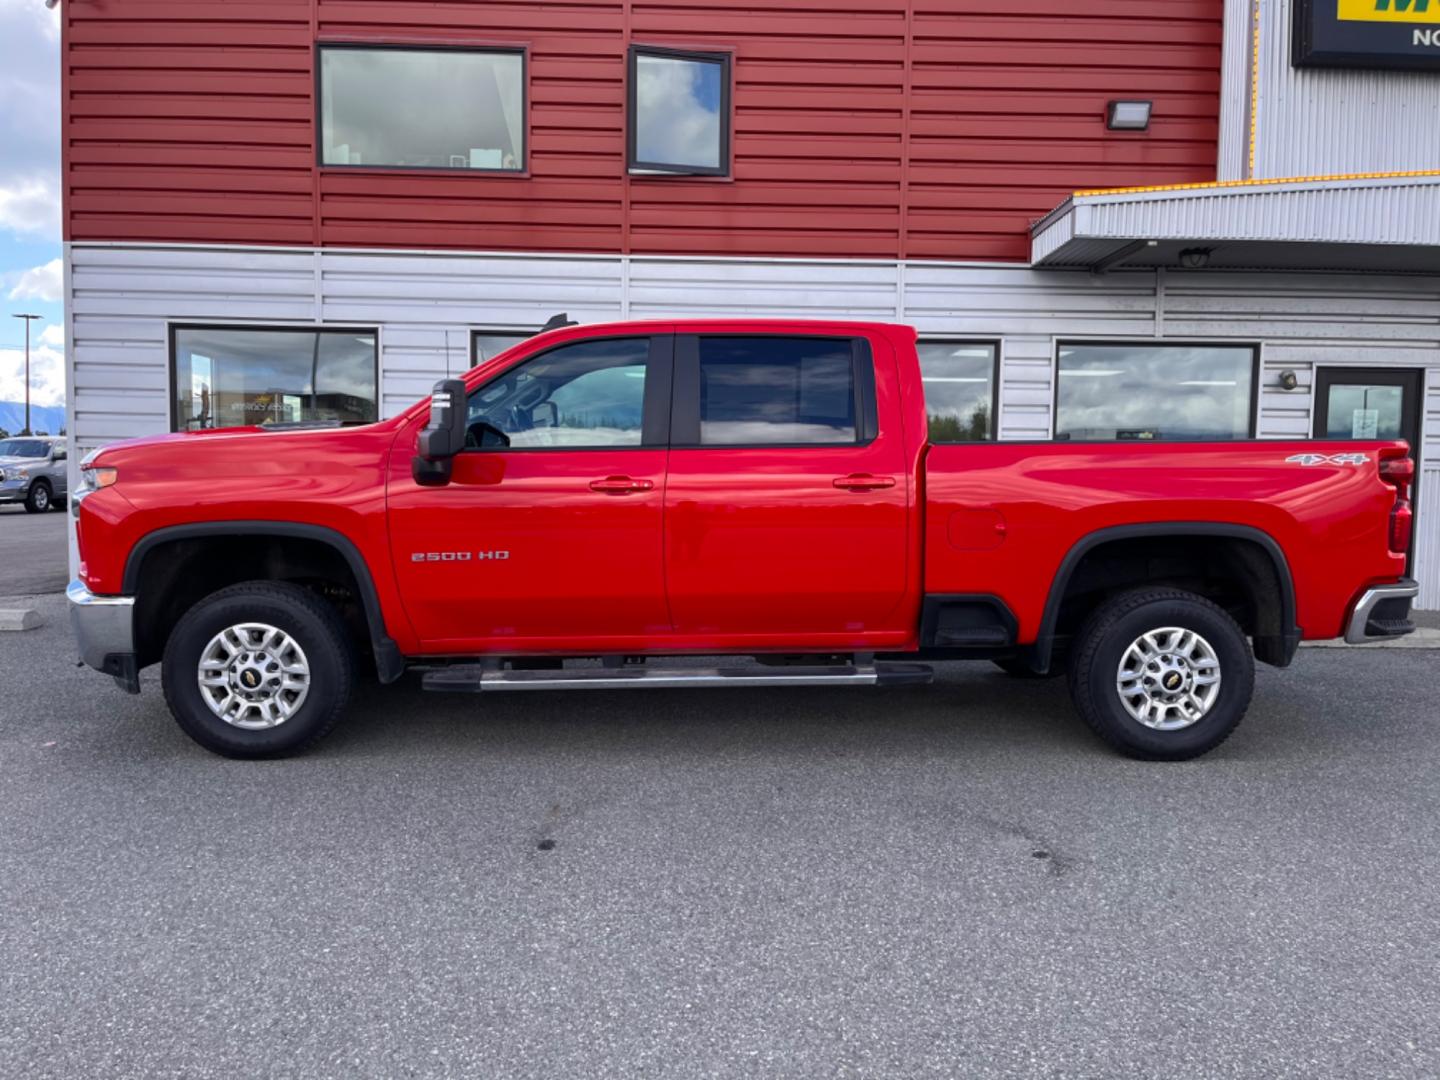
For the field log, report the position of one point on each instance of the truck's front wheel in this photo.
(1162, 674)
(260, 669)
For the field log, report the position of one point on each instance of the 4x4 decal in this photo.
(1329, 459)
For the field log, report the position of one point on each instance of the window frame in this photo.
(280, 328)
(655, 409)
(633, 165)
(1155, 343)
(685, 414)
(522, 49)
(994, 344)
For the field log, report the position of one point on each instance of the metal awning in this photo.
(1377, 222)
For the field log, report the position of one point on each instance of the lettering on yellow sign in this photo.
(1393, 11)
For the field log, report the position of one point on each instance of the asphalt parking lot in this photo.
(952, 881)
(32, 552)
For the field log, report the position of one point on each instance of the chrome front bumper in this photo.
(1369, 624)
(104, 628)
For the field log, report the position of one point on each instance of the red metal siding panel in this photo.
(862, 128)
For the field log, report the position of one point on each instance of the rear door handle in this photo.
(864, 482)
(621, 485)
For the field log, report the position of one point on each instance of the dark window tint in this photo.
(422, 108)
(1151, 392)
(959, 390)
(769, 390)
(23, 448)
(228, 377)
(589, 394)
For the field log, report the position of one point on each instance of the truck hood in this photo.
(212, 439)
(6, 460)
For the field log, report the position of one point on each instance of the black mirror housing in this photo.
(443, 435)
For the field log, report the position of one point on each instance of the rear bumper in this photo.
(104, 628)
(1382, 612)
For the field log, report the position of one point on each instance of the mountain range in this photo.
(47, 418)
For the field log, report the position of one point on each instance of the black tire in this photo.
(1102, 644)
(37, 499)
(314, 626)
(1019, 669)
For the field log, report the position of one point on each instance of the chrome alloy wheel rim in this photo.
(253, 676)
(1168, 678)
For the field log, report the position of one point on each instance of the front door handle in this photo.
(621, 485)
(864, 482)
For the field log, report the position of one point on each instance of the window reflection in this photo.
(1153, 392)
(778, 390)
(226, 377)
(959, 390)
(589, 394)
(678, 119)
(422, 108)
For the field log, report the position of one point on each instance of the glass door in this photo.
(1373, 403)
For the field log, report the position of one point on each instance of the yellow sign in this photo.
(1392, 11)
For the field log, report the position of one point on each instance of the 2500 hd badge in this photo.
(456, 556)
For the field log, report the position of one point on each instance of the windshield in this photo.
(31, 448)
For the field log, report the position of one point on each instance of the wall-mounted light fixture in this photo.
(1288, 380)
(1195, 258)
(1128, 115)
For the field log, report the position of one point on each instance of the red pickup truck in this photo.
(618, 506)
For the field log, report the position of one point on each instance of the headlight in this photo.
(15, 474)
(94, 477)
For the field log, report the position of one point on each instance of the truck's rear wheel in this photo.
(1161, 674)
(260, 669)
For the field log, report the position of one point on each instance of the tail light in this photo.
(1399, 472)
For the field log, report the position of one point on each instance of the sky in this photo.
(30, 279)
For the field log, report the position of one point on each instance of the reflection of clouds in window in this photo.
(776, 390)
(1154, 392)
(678, 111)
(959, 391)
(422, 108)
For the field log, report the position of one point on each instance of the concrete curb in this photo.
(1423, 638)
(19, 619)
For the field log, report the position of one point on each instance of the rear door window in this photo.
(765, 390)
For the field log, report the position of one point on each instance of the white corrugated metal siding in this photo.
(1324, 121)
(426, 305)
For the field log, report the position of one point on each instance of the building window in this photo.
(959, 380)
(679, 108)
(765, 391)
(589, 394)
(1152, 392)
(226, 376)
(422, 108)
(488, 344)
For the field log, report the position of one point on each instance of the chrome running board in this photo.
(473, 679)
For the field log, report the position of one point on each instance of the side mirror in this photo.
(442, 437)
(58, 456)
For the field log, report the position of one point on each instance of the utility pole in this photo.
(28, 320)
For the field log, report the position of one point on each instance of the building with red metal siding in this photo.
(241, 245)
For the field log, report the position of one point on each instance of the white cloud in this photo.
(31, 206)
(53, 335)
(40, 283)
(677, 128)
(47, 375)
(30, 118)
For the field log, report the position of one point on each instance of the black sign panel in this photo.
(1375, 34)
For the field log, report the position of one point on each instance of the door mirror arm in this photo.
(443, 435)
